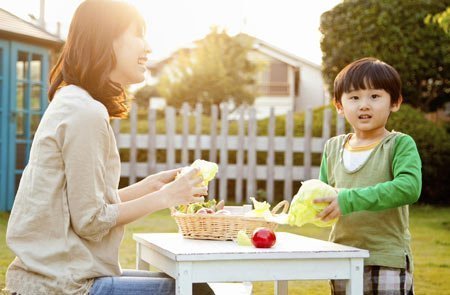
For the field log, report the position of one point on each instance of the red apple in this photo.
(263, 237)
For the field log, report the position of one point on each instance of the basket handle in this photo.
(278, 206)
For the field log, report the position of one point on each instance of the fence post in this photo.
(184, 138)
(170, 137)
(223, 153)
(326, 127)
(251, 155)
(308, 143)
(288, 156)
(270, 157)
(133, 147)
(340, 125)
(151, 141)
(213, 147)
(240, 156)
(198, 131)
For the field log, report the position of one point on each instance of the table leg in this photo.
(183, 281)
(355, 284)
(140, 264)
(281, 288)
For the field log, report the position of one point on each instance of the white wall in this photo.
(312, 92)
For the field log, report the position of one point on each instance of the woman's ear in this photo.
(395, 107)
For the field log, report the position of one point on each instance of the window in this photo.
(274, 80)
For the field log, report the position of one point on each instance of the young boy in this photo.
(377, 174)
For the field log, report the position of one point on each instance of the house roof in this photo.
(11, 26)
(279, 53)
(259, 45)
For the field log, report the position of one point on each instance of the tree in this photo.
(143, 94)
(395, 32)
(441, 19)
(216, 70)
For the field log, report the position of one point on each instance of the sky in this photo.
(291, 25)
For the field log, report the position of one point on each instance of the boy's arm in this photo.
(403, 189)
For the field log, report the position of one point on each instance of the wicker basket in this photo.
(222, 227)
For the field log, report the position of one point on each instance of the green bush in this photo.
(433, 143)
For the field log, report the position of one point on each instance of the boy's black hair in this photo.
(368, 72)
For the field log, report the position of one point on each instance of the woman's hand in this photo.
(156, 181)
(147, 185)
(185, 189)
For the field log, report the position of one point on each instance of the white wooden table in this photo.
(293, 257)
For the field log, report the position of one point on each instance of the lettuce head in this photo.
(208, 170)
(261, 209)
(303, 210)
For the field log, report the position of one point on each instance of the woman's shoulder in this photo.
(77, 101)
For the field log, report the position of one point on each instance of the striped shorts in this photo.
(381, 280)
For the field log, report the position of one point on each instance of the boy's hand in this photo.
(331, 211)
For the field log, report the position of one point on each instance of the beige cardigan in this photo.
(62, 226)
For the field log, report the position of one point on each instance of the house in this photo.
(287, 82)
(26, 52)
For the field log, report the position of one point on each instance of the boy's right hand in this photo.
(331, 211)
(185, 189)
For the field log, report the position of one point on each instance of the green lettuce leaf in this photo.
(208, 170)
(261, 209)
(303, 210)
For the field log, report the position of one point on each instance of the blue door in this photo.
(4, 61)
(27, 102)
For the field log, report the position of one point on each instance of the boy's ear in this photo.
(338, 107)
(396, 107)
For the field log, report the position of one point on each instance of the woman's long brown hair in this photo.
(87, 58)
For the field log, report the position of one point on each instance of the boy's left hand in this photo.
(332, 211)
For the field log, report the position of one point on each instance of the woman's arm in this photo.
(183, 190)
(147, 185)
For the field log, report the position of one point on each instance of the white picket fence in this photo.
(245, 142)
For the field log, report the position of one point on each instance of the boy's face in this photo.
(367, 110)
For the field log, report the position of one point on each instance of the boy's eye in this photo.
(374, 96)
(354, 97)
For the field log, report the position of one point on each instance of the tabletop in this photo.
(175, 247)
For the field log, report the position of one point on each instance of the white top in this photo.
(354, 159)
(62, 226)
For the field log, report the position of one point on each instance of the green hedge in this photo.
(432, 141)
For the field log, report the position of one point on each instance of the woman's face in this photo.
(131, 51)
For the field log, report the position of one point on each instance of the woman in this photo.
(68, 217)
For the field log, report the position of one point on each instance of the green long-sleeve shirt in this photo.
(374, 198)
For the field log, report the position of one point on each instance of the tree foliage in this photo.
(395, 32)
(216, 70)
(143, 94)
(442, 19)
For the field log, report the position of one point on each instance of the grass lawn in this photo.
(430, 227)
